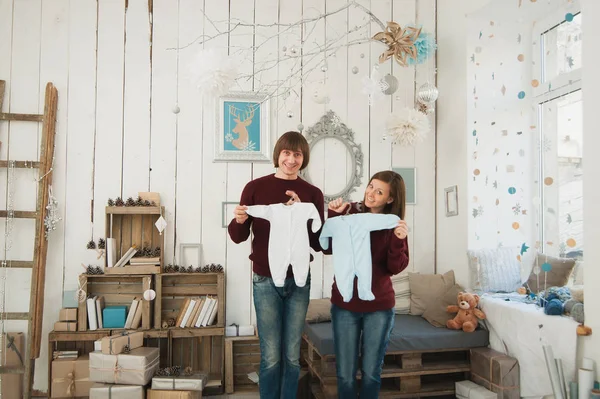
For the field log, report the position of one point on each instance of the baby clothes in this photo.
(352, 249)
(288, 238)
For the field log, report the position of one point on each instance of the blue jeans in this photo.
(376, 328)
(280, 315)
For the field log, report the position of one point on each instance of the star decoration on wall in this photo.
(401, 42)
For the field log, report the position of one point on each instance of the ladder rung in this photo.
(20, 214)
(21, 117)
(14, 316)
(12, 370)
(22, 264)
(21, 164)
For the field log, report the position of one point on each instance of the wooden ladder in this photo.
(38, 264)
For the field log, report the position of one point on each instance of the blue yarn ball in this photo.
(554, 307)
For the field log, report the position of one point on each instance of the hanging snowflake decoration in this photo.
(374, 86)
(213, 72)
(249, 146)
(52, 218)
(407, 127)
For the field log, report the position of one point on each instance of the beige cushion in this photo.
(401, 286)
(424, 288)
(319, 310)
(558, 276)
(436, 312)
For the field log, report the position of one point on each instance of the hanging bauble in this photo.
(176, 109)
(427, 93)
(324, 68)
(355, 70)
(290, 114)
(149, 295)
(300, 127)
(392, 83)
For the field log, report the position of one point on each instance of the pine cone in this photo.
(119, 202)
(126, 349)
(206, 269)
(130, 202)
(219, 269)
(91, 244)
(198, 269)
(99, 270)
(101, 243)
(168, 268)
(188, 371)
(212, 268)
(111, 202)
(190, 269)
(176, 370)
(155, 252)
(175, 269)
(171, 322)
(139, 201)
(146, 203)
(89, 270)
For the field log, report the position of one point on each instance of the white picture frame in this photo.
(185, 248)
(451, 200)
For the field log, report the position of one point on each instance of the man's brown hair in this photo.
(292, 141)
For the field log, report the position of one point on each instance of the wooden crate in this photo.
(173, 288)
(406, 374)
(116, 290)
(242, 356)
(134, 225)
(193, 348)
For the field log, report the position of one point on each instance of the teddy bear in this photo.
(467, 316)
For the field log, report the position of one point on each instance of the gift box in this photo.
(194, 382)
(112, 391)
(470, 390)
(157, 394)
(135, 368)
(65, 326)
(495, 371)
(116, 344)
(70, 377)
(67, 315)
(114, 316)
(12, 384)
(98, 345)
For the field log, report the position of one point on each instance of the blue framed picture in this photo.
(243, 128)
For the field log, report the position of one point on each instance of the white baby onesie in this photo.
(288, 238)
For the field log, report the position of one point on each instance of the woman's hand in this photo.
(401, 230)
(337, 205)
(240, 214)
(294, 198)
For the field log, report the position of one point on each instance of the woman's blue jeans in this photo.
(280, 315)
(376, 328)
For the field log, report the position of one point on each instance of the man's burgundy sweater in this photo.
(269, 190)
(389, 256)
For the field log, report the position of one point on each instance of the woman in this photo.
(280, 311)
(374, 319)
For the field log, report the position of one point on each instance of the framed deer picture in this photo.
(243, 128)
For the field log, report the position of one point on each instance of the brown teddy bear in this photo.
(467, 316)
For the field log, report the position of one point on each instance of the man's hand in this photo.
(240, 214)
(294, 198)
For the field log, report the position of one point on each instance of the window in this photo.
(557, 71)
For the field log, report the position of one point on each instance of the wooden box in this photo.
(116, 290)
(242, 356)
(172, 289)
(134, 225)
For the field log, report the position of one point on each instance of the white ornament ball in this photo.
(355, 70)
(293, 50)
(300, 127)
(392, 83)
(324, 68)
(427, 93)
(149, 295)
(176, 109)
(290, 114)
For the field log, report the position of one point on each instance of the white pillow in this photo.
(401, 286)
(495, 270)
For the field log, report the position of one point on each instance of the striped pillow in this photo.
(402, 289)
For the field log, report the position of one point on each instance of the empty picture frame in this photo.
(190, 255)
(227, 212)
(409, 175)
(451, 200)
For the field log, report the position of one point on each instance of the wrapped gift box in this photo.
(114, 316)
(194, 382)
(470, 390)
(65, 326)
(12, 384)
(495, 371)
(115, 344)
(135, 368)
(112, 391)
(67, 314)
(157, 394)
(98, 345)
(70, 377)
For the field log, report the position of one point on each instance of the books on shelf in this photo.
(142, 260)
(197, 312)
(127, 257)
(95, 306)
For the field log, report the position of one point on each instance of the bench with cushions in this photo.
(421, 360)
(423, 357)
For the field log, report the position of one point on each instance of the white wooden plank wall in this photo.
(121, 74)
